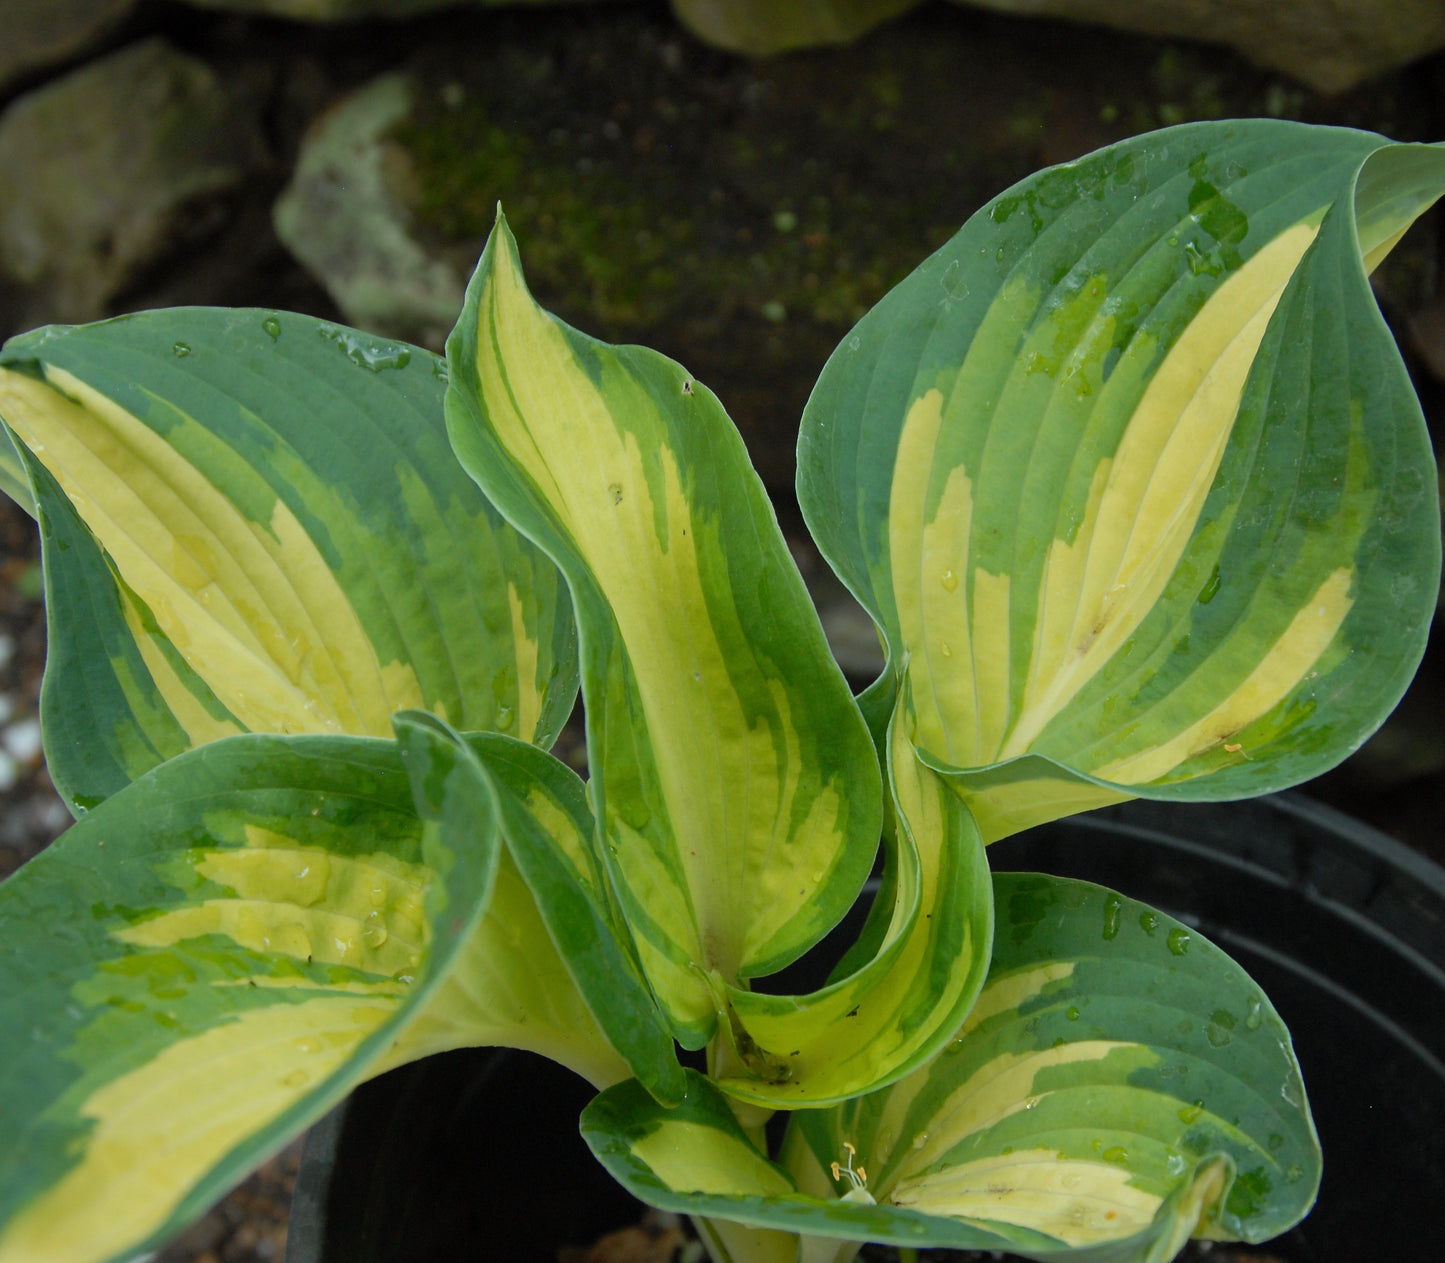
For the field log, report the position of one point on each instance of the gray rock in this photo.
(763, 27)
(1330, 45)
(354, 10)
(110, 169)
(41, 33)
(343, 218)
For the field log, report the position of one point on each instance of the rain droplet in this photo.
(1275, 1141)
(920, 1140)
(1148, 922)
(295, 1079)
(952, 280)
(944, 649)
(369, 353)
(373, 932)
(1294, 1174)
(180, 350)
(1072, 1013)
(949, 581)
(1218, 1036)
(1255, 1015)
(308, 1044)
(1211, 588)
(1175, 1164)
(1191, 1113)
(1113, 907)
(1178, 941)
(504, 718)
(1116, 1153)
(272, 326)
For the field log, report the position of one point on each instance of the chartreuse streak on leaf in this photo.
(1065, 1104)
(734, 781)
(252, 605)
(558, 977)
(271, 923)
(1062, 1116)
(147, 1129)
(895, 1010)
(290, 550)
(1143, 506)
(265, 916)
(1130, 499)
(117, 698)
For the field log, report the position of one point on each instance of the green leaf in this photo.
(264, 514)
(1119, 1086)
(1115, 1060)
(895, 1009)
(219, 952)
(1132, 477)
(735, 784)
(549, 880)
(203, 966)
(106, 721)
(13, 482)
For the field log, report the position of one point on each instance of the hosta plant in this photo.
(1131, 479)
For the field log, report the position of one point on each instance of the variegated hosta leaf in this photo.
(1117, 1072)
(219, 952)
(202, 966)
(1120, 1085)
(903, 1001)
(549, 968)
(735, 784)
(254, 522)
(1132, 477)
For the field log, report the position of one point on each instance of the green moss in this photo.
(637, 210)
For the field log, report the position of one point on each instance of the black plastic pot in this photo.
(477, 1155)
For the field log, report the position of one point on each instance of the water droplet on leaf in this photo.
(1178, 941)
(1211, 589)
(1113, 908)
(370, 353)
(373, 932)
(952, 280)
